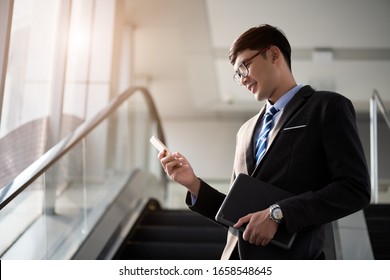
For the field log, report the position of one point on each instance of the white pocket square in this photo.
(294, 127)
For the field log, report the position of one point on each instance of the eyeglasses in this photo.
(242, 70)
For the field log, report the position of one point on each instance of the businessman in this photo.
(302, 140)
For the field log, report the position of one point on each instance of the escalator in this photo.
(378, 225)
(162, 234)
(78, 199)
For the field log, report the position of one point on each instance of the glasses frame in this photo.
(242, 74)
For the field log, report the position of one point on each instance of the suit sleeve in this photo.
(208, 201)
(348, 189)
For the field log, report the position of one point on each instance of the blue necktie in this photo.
(261, 143)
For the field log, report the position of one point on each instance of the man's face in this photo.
(260, 77)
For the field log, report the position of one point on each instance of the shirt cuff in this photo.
(193, 199)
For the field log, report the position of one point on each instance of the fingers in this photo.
(162, 154)
(171, 162)
(260, 229)
(256, 238)
(250, 233)
(165, 158)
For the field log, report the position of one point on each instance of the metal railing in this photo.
(99, 172)
(39, 167)
(375, 103)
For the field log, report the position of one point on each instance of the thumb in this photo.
(242, 220)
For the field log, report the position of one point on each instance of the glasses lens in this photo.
(237, 78)
(242, 70)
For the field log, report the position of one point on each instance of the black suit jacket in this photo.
(315, 152)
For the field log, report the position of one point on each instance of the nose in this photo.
(244, 80)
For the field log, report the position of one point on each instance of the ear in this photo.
(275, 53)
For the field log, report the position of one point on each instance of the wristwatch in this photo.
(275, 213)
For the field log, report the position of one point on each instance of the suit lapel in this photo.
(249, 152)
(293, 106)
(289, 110)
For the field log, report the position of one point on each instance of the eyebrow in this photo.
(244, 61)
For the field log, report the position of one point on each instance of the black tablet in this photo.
(248, 195)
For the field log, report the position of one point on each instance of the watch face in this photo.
(277, 214)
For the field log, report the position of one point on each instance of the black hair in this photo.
(260, 37)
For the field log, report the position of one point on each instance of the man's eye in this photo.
(241, 69)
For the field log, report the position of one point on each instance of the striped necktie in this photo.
(261, 143)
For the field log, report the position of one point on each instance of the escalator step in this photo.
(381, 251)
(384, 256)
(173, 234)
(180, 234)
(378, 223)
(379, 236)
(377, 210)
(177, 218)
(172, 251)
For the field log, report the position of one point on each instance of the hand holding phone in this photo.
(159, 145)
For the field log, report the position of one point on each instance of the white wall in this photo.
(207, 143)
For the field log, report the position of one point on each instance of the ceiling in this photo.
(181, 49)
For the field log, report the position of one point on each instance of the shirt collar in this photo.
(282, 101)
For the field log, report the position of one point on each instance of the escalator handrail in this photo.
(37, 168)
(375, 103)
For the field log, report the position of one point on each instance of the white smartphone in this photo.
(159, 145)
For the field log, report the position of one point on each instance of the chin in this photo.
(260, 97)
